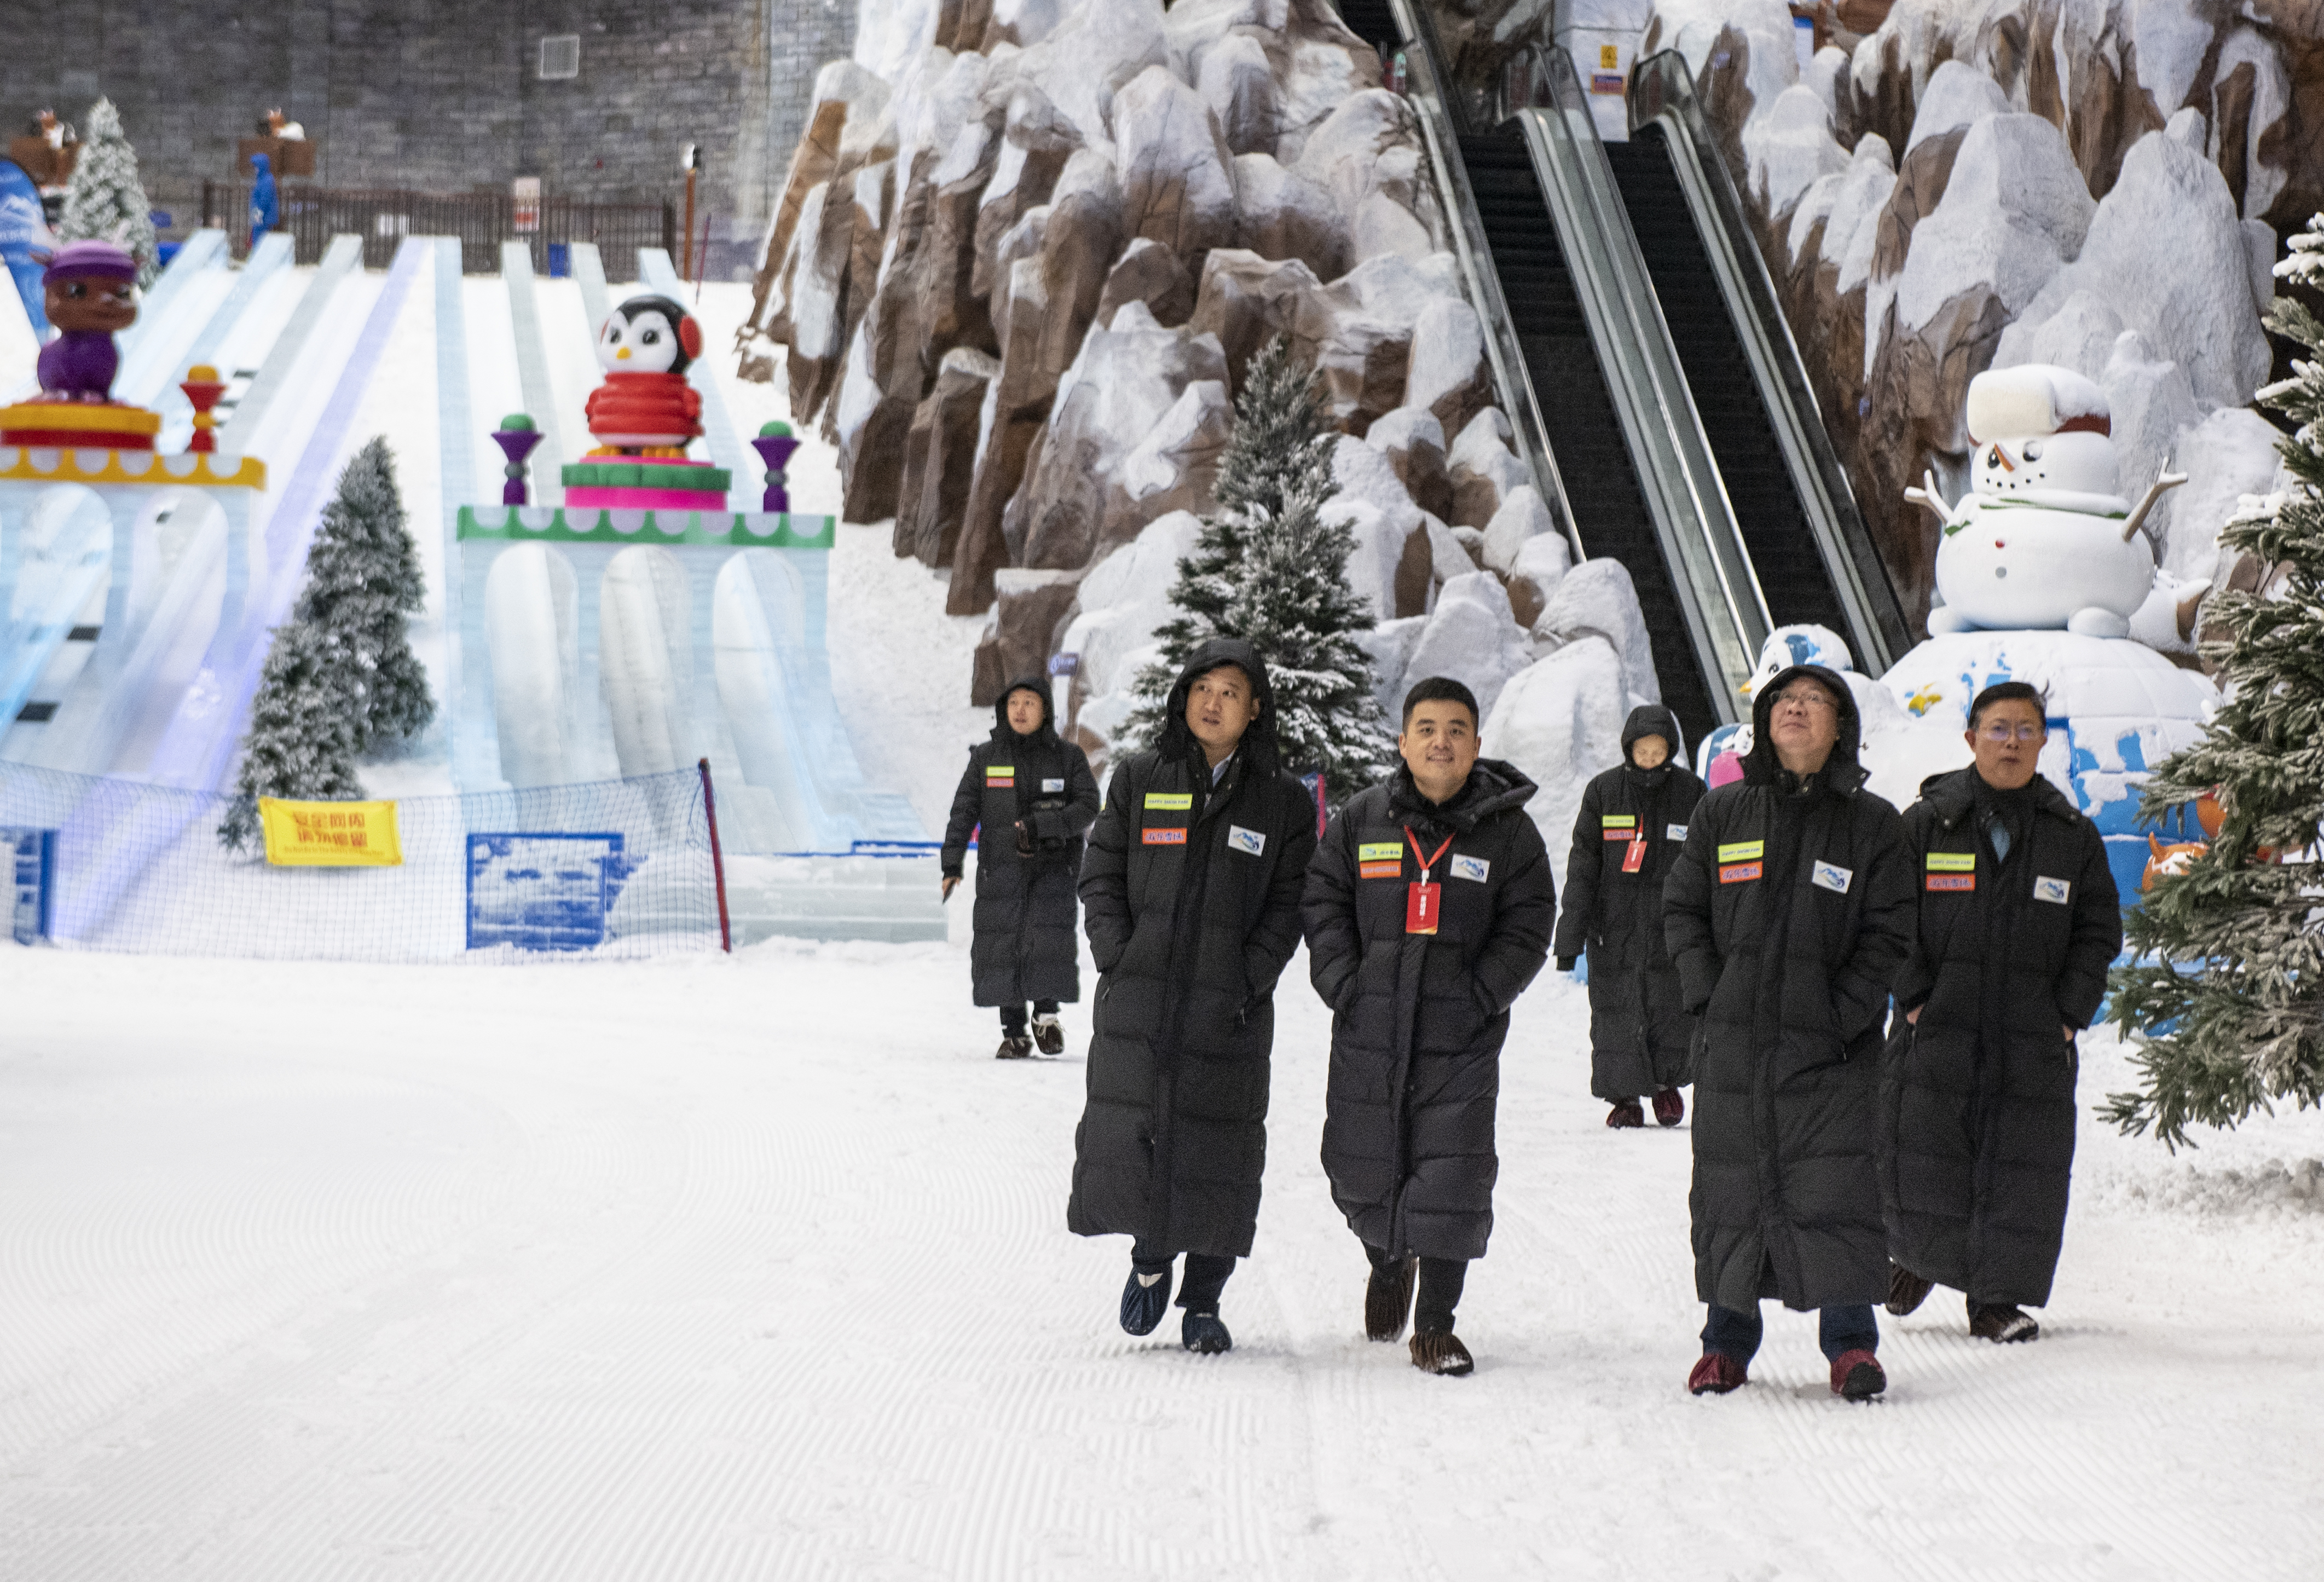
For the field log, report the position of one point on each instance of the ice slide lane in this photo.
(199, 743)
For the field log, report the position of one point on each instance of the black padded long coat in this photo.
(1977, 1100)
(1789, 911)
(1025, 946)
(1418, 1020)
(1191, 894)
(1641, 1039)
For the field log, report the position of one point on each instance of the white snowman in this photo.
(2042, 540)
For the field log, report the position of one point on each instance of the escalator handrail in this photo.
(1441, 125)
(1662, 89)
(1715, 581)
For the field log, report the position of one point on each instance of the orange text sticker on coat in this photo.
(1953, 870)
(1164, 836)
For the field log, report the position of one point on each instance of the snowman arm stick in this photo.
(2163, 485)
(1925, 494)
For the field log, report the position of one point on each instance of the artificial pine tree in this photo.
(105, 202)
(341, 678)
(362, 579)
(302, 740)
(1293, 602)
(2234, 1003)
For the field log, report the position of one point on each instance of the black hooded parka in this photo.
(1788, 912)
(1977, 1101)
(1191, 893)
(1025, 946)
(1418, 1020)
(1641, 1038)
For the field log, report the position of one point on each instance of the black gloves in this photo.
(1565, 963)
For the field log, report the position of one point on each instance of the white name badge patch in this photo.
(1673, 832)
(2053, 891)
(1832, 876)
(1249, 841)
(1052, 785)
(1471, 868)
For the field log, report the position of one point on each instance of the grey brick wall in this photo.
(442, 95)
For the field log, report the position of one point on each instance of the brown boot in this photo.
(1441, 1354)
(1628, 1113)
(1906, 1289)
(2001, 1322)
(1387, 1298)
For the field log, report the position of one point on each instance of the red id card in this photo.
(1635, 857)
(1421, 905)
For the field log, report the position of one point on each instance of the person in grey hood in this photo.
(1191, 891)
(1633, 820)
(1428, 911)
(1033, 796)
(1788, 912)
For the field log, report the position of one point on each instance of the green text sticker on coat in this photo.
(1742, 851)
(1381, 851)
(1170, 801)
(1952, 862)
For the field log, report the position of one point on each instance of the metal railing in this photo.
(481, 221)
(1718, 590)
(1442, 121)
(1662, 89)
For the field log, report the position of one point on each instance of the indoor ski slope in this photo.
(708, 1271)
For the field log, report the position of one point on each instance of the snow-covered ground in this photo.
(756, 1268)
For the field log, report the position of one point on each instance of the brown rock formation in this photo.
(940, 458)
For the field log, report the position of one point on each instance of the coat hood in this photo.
(1652, 719)
(1264, 756)
(1952, 794)
(1495, 785)
(1039, 687)
(1840, 772)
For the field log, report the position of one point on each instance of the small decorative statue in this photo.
(645, 407)
(91, 296)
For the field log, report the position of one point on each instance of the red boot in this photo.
(1856, 1375)
(1626, 1114)
(1716, 1374)
(1670, 1109)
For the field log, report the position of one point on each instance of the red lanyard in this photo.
(1430, 861)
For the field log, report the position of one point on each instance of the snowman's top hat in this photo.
(2036, 399)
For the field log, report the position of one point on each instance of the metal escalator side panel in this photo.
(1440, 128)
(1725, 608)
(1665, 97)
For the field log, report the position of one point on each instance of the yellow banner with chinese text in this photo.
(330, 834)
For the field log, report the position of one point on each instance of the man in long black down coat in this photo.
(1428, 911)
(1192, 892)
(2018, 921)
(1034, 796)
(1632, 822)
(1788, 911)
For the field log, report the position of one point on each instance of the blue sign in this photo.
(32, 859)
(542, 891)
(22, 228)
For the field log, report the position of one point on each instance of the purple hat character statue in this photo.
(92, 293)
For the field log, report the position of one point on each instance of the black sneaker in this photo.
(1048, 1035)
(1388, 1298)
(1203, 1335)
(1906, 1289)
(1145, 1298)
(2001, 1322)
(1014, 1048)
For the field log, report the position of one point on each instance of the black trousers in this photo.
(1012, 1017)
(1206, 1277)
(1441, 1284)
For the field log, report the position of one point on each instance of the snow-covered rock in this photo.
(1280, 215)
(1597, 599)
(1447, 374)
(1521, 519)
(1484, 470)
(1237, 84)
(1560, 720)
(1389, 647)
(1791, 147)
(1958, 95)
(1540, 564)
(1122, 602)
(1176, 175)
(1471, 637)
(2229, 454)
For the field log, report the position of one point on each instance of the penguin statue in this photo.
(645, 407)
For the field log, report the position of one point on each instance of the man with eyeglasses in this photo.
(2018, 921)
(1788, 912)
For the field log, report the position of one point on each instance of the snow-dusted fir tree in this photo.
(2234, 1005)
(105, 202)
(1293, 601)
(362, 580)
(302, 738)
(341, 678)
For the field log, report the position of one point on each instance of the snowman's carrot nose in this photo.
(2000, 458)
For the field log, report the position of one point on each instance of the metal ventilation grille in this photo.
(560, 57)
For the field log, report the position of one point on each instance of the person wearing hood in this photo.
(1191, 893)
(1033, 796)
(1633, 819)
(1788, 911)
(2018, 921)
(1428, 911)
